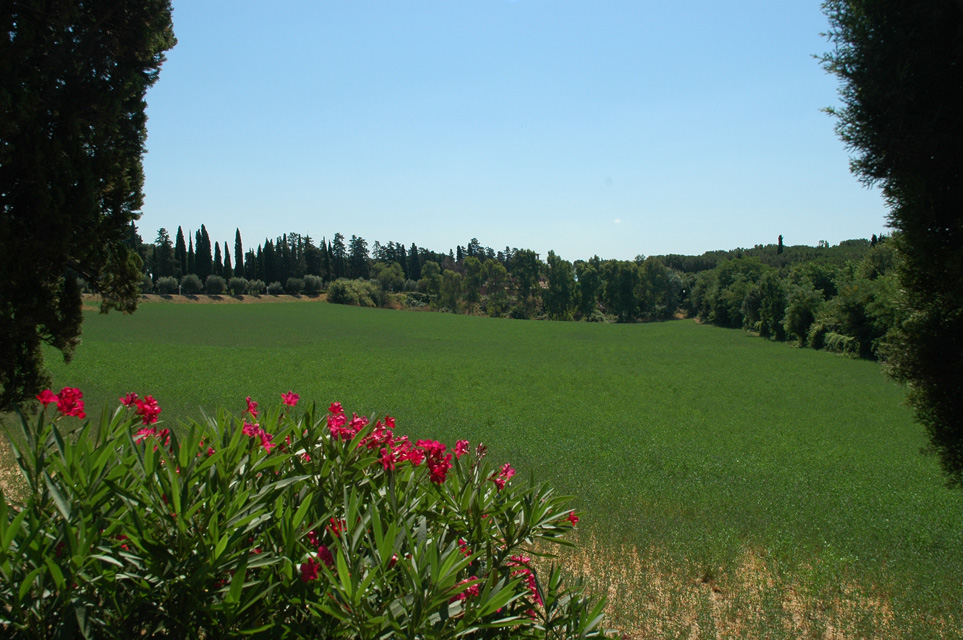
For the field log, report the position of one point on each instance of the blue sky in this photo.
(614, 128)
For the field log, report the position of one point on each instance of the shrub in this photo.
(146, 284)
(238, 286)
(167, 285)
(256, 287)
(598, 315)
(843, 344)
(294, 286)
(328, 527)
(312, 285)
(361, 293)
(191, 285)
(415, 300)
(275, 289)
(215, 285)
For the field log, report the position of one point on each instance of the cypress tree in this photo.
(414, 263)
(218, 268)
(202, 249)
(238, 252)
(180, 254)
(191, 258)
(228, 271)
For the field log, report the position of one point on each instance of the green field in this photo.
(729, 486)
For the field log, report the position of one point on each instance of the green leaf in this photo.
(27, 583)
(237, 584)
(221, 546)
(58, 498)
(55, 572)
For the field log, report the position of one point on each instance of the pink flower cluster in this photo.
(69, 401)
(524, 570)
(394, 451)
(255, 431)
(161, 435)
(309, 568)
(147, 408)
(503, 476)
(468, 592)
(339, 425)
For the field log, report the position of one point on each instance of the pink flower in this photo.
(438, 468)
(266, 441)
(503, 476)
(290, 398)
(461, 448)
(387, 459)
(335, 408)
(438, 463)
(525, 570)
(147, 409)
(336, 527)
(572, 518)
(309, 570)
(251, 407)
(69, 403)
(255, 431)
(325, 555)
(47, 397)
(471, 591)
(129, 399)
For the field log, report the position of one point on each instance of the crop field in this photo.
(728, 486)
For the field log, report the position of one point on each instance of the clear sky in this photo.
(604, 127)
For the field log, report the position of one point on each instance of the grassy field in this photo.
(729, 486)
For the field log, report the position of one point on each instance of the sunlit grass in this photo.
(705, 448)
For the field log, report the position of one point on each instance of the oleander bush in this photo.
(287, 523)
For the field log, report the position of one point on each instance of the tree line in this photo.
(845, 301)
(841, 298)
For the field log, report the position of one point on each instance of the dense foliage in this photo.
(72, 127)
(850, 308)
(900, 64)
(327, 526)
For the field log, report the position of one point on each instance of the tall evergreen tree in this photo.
(180, 254)
(163, 255)
(238, 252)
(414, 263)
(228, 272)
(326, 259)
(339, 256)
(218, 267)
(191, 257)
(901, 67)
(402, 259)
(73, 76)
(203, 256)
(358, 261)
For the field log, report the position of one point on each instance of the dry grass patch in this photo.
(651, 595)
